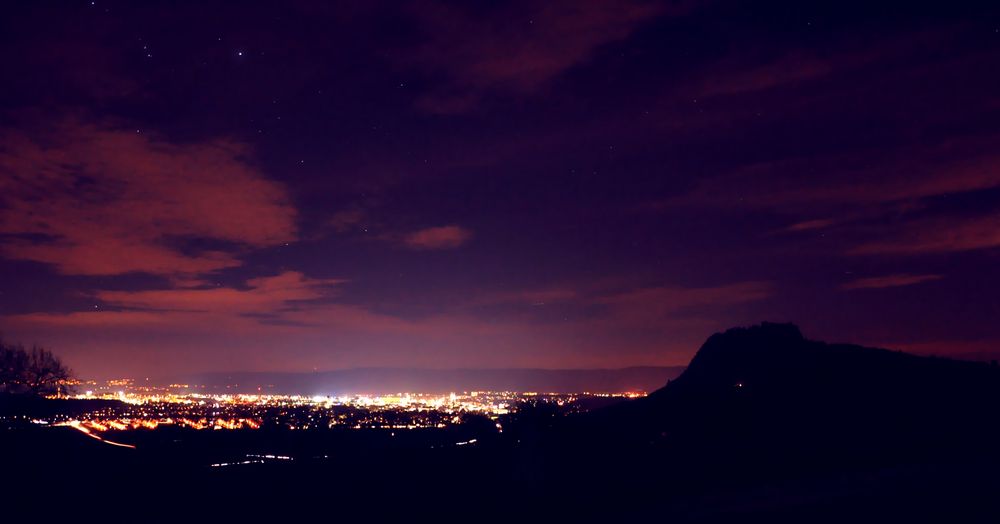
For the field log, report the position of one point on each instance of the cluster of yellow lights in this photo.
(77, 425)
(202, 407)
(493, 403)
(102, 425)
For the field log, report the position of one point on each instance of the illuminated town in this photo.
(120, 405)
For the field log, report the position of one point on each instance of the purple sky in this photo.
(563, 184)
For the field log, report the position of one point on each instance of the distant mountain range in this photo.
(398, 380)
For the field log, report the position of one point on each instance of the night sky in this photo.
(567, 184)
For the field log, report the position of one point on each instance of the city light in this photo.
(121, 406)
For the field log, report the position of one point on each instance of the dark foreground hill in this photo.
(768, 421)
(764, 426)
(770, 380)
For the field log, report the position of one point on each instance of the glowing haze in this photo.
(557, 185)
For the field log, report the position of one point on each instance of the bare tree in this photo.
(36, 371)
(13, 362)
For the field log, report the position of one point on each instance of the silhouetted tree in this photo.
(36, 371)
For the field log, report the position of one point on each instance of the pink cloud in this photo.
(622, 303)
(937, 236)
(519, 48)
(288, 302)
(879, 195)
(290, 322)
(897, 280)
(531, 297)
(346, 220)
(728, 78)
(263, 295)
(904, 175)
(282, 322)
(731, 76)
(663, 324)
(99, 200)
(443, 237)
(810, 225)
(653, 304)
(958, 349)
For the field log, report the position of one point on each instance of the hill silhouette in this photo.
(764, 424)
(761, 412)
(769, 378)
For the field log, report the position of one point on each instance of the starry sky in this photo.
(311, 185)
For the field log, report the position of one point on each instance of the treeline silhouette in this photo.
(33, 371)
